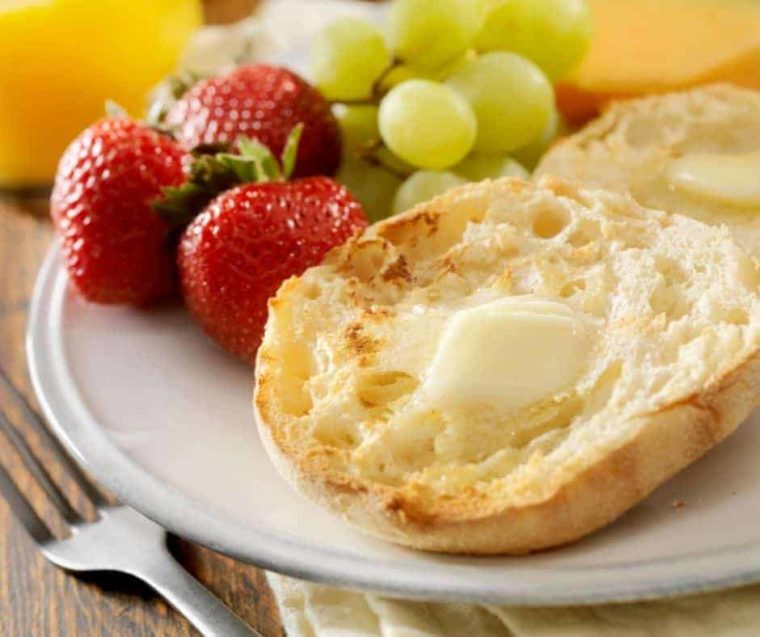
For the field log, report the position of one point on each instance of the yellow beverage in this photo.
(61, 59)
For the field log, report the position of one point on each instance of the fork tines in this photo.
(23, 510)
(18, 503)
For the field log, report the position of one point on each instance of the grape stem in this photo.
(377, 85)
(376, 93)
(371, 156)
(369, 153)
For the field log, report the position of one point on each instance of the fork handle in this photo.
(198, 604)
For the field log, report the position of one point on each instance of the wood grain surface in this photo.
(36, 598)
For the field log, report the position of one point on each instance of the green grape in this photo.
(430, 33)
(358, 126)
(555, 34)
(423, 186)
(530, 155)
(511, 97)
(347, 57)
(373, 187)
(480, 167)
(428, 125)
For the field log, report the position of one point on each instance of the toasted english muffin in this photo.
(509, 366)
(631, 148)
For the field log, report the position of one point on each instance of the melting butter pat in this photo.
(507, 354)
(731, 179)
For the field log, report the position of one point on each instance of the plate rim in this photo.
(179, 513)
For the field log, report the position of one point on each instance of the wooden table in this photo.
(39, 600)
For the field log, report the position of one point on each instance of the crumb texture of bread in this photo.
(673, 366)
(629, 147)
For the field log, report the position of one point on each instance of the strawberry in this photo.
(261, 102)
(248, 240)
(115, 247)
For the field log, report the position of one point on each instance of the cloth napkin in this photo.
(313, 610)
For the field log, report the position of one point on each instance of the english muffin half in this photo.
(641, 145)
(508, 367)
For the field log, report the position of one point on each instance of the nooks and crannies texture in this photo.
(674, 366)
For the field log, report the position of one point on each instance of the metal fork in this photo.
(119, 540)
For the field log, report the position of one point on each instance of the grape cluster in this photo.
(449, 91)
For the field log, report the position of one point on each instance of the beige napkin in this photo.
(312, 610)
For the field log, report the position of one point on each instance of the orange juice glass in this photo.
(60, 60)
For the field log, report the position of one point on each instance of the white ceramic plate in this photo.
(163, 418)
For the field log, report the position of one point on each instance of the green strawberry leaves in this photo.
(215, 170)
(208, 178)
(256, 164)
(167, 94)
(290, 152)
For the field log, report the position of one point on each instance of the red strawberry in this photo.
(115, 247)
(265, 103)
(247, 241)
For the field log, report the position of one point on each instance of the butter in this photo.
(507, 354)
(730, 179)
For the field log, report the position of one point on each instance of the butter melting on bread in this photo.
(508, 367)
(693, 152)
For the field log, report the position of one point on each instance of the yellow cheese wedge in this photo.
(507, 354)
(645, 46)
(729, 179)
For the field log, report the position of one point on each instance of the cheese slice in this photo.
(507, 354)
(645, 46)
(728, 179)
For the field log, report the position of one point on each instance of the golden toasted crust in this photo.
(553, 506)
(670, 440)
